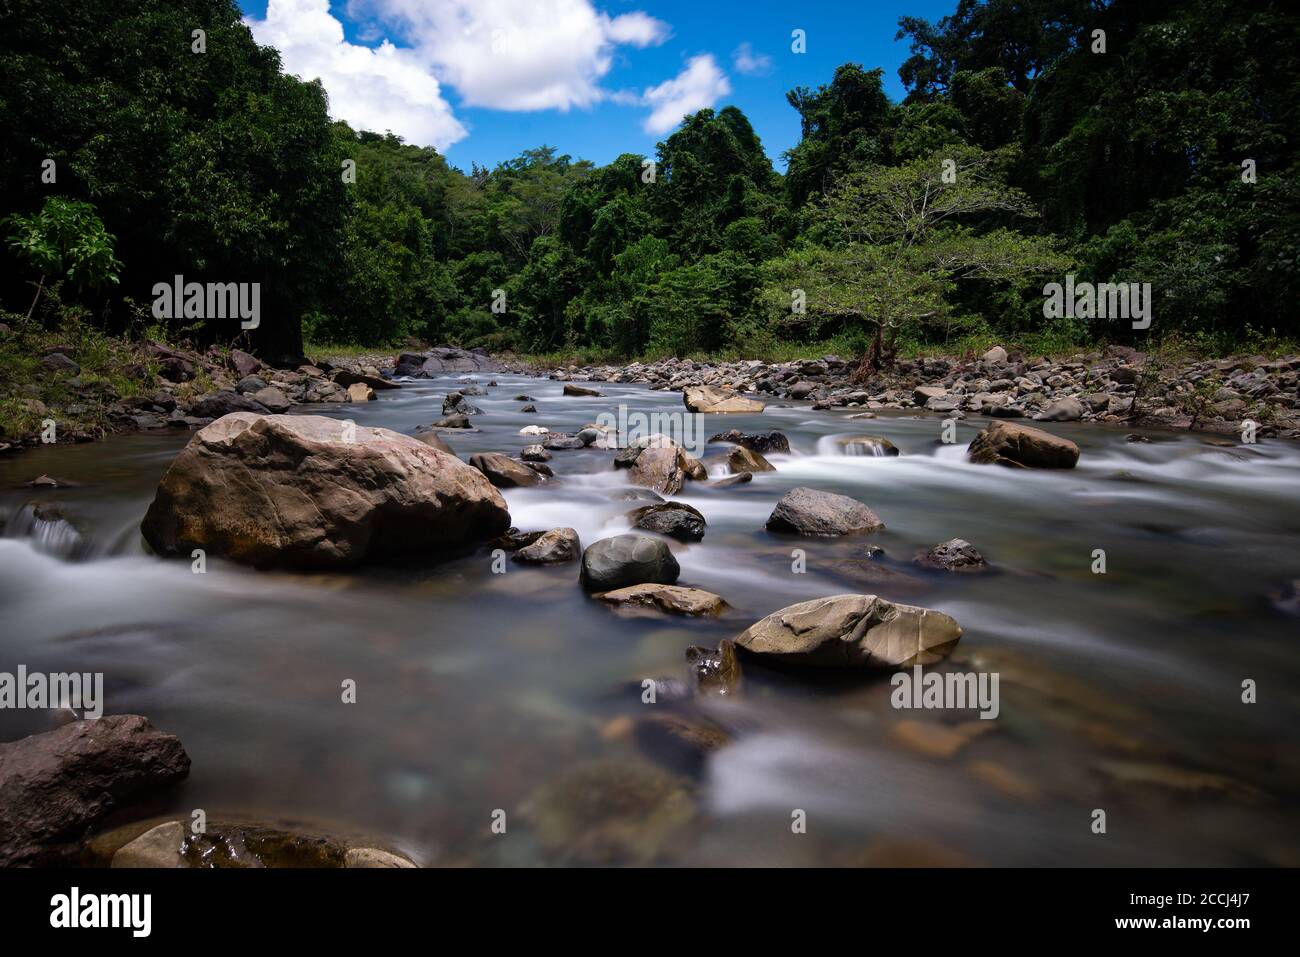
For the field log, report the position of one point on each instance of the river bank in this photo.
(91, 392)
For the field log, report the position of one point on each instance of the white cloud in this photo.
(638, 29)
(384, 88)
(517, 54)
(699, 85)
(746, 61)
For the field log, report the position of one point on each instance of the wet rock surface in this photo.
(57, 785)
(309, 491)
(807, 511)
(625, 560)
(853, 631)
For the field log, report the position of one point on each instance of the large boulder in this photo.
(1022, 446)
(56, 786)
(853, 631)
(628, 560)
(313, 492)
(503, 471)
(810, 511)
(708, 399)
(662, 469)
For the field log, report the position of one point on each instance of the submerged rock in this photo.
(1022, 446)
(955, 555)
(853, 631)
(808, 511)
(627, 560)
(314, 492)
(681, 742)
(716, 670)
(238, 845)
(731, 480)
(610, 812)
(57, 785)
(871, 445)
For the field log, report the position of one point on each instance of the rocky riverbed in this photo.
(465, 622)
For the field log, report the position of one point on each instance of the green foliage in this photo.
(1122, 166)
(65, 238)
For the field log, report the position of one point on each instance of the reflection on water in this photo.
(478, 692)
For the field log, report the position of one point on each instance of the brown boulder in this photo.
(809, 511)
(710, 400)
(741, 459)
(54, 787)
(503, 471)
(662, 469)
(314, 492)
(675, 599)
(1022, 446)
(853, 631)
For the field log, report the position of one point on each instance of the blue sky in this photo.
(483, 80)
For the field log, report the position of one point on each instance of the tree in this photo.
(845, 125)
(64, 238)
(899, 240)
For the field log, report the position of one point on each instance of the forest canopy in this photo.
(1020, 153)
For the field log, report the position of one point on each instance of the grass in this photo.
(329, 351)
(112, 367)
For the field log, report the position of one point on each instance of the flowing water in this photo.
(480, 692)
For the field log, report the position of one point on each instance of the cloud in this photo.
(638, 29)
(746, 61)
(517, 54)
(700, 84)
(382, 88)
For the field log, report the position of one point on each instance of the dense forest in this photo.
(1159, 150)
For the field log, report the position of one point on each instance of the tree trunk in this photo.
(39, 286)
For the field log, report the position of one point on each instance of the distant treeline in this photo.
(1147, 141)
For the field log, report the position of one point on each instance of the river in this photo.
(476, 692)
